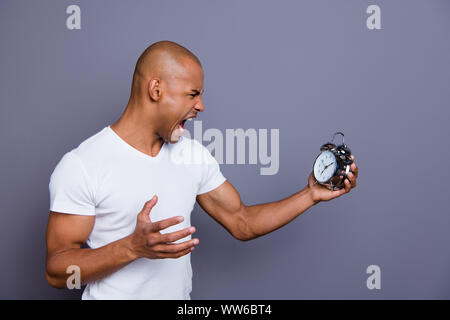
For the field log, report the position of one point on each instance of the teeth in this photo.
(190, 119)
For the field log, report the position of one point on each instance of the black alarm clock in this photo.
(332, 162)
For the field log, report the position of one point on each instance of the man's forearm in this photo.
(94, 264)
(264, 218)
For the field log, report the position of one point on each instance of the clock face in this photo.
(325, 166)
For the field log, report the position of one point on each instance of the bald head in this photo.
(163, 59)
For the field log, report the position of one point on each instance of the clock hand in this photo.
(328, 165)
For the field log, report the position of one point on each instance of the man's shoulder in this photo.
(93, 145)
(89, 151)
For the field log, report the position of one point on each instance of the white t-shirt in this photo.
(107, 178)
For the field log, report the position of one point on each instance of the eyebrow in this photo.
(195, 91)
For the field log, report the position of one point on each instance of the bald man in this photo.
(128, 191)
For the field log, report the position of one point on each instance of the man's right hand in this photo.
(148, 242)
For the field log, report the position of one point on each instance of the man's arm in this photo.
(66, 233)
(248, 222)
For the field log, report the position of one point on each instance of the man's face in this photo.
(181, 100)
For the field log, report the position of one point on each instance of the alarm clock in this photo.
(332, 162)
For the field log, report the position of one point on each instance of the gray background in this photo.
(308, 68)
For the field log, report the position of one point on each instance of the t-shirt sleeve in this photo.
(212, 177)
(71, 188)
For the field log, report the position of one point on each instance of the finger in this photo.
(338, 192)
(163, 224)
(145, 212)
(176, 247)
(347, 185)
(175, 255)
(177, 235)
(354, 168)
(352, 179)
(311, 180)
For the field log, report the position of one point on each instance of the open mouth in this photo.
(179, 129)
(182, 122)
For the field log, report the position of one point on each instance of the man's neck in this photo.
(132, 128)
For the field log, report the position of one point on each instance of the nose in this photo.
(199, 106)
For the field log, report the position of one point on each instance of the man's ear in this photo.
(154, 89)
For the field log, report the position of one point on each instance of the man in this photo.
(125, 194)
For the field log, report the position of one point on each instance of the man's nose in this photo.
(200, 106)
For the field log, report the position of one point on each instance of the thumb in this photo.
(337, 193)
(147, 208)
(311, 179)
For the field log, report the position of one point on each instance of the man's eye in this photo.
(193, 95)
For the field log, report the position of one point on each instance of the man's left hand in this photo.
(322, 193)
